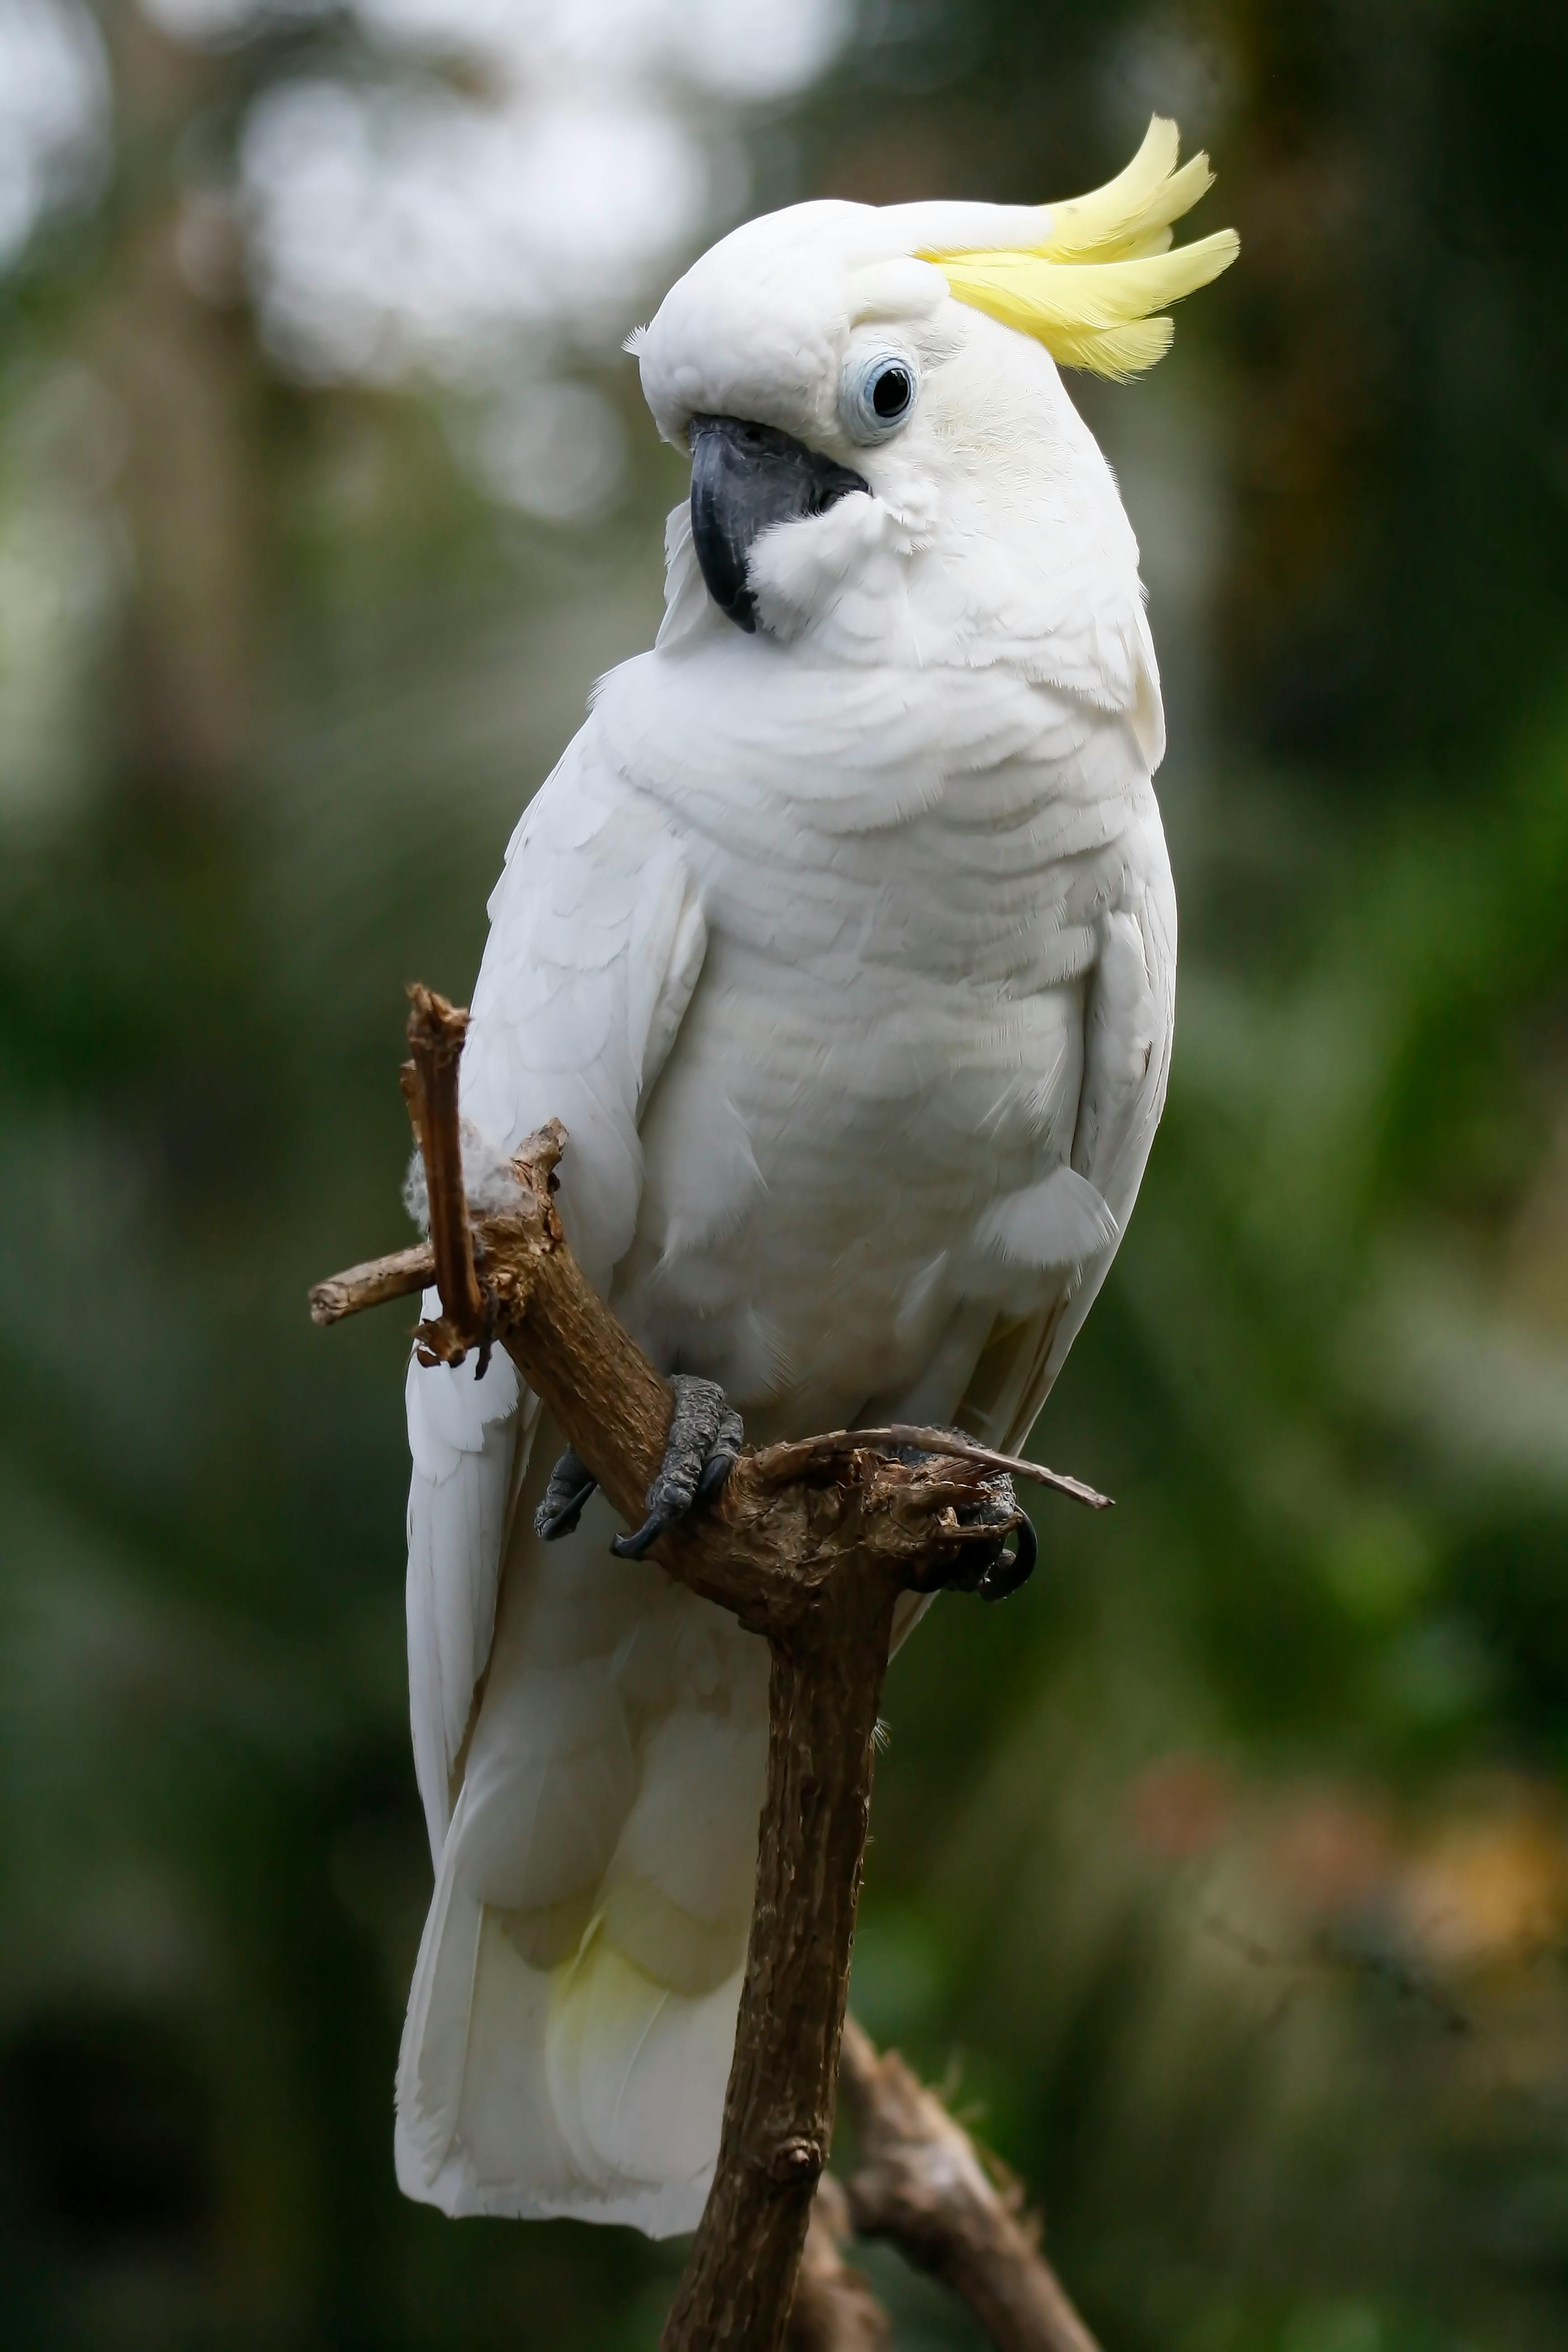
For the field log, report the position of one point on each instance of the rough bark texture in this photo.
(825, 1681)
(809, 1545)
(921, 2183)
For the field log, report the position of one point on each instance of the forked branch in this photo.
(921, 2181)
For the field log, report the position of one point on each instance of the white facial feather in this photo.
(993, 532)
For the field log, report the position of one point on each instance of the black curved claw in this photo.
(704, 1442)
(1008, 1573)
(642, 1539)
(487, 1332)
(724, 1456)
(989, 1569)
(571, 1484)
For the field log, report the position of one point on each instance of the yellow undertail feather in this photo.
(1090, 289)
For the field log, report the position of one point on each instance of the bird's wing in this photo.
(1128, 1022)
(596, 940)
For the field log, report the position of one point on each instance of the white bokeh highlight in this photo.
(391, 229)
(421, 222)
(554, 450)
(54, 114)
(475, 229)
(735, 48)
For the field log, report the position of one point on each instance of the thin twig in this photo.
(793, 1460)
(920, 2182)
(398, 1275)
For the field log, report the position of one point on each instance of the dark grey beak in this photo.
(743, 477)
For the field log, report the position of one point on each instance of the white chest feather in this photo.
(866, 1128)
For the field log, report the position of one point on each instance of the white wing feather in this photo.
(1129, 1030)
(596, 940)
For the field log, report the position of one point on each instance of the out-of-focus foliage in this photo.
(1228, 1869)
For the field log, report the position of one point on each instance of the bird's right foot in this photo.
(990, 1569)
(571, 1484)
(702, 1447)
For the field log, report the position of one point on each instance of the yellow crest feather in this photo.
(1089, 290)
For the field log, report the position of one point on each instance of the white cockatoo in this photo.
(843, 941)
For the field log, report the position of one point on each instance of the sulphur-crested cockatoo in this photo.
(843, 942)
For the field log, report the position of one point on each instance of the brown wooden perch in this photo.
(921, 2181)
(949, 2206)
(809, 1545)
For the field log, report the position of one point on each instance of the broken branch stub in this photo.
(397, 1275)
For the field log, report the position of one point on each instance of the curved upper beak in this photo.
(744, 478)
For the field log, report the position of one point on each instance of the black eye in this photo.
(876, 395)
(892, 393)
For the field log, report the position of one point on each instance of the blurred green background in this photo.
(1223, 1877)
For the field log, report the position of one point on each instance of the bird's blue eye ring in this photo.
(878, 393)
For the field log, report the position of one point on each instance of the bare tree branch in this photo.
(815, 1561)
(920, 2182)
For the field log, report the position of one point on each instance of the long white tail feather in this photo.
(464, 1435)
(573, 2014)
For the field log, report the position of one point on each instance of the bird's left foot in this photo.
(1005, 1571)
(989, 1568)
(703, 1445)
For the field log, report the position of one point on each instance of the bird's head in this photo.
(858, 386)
